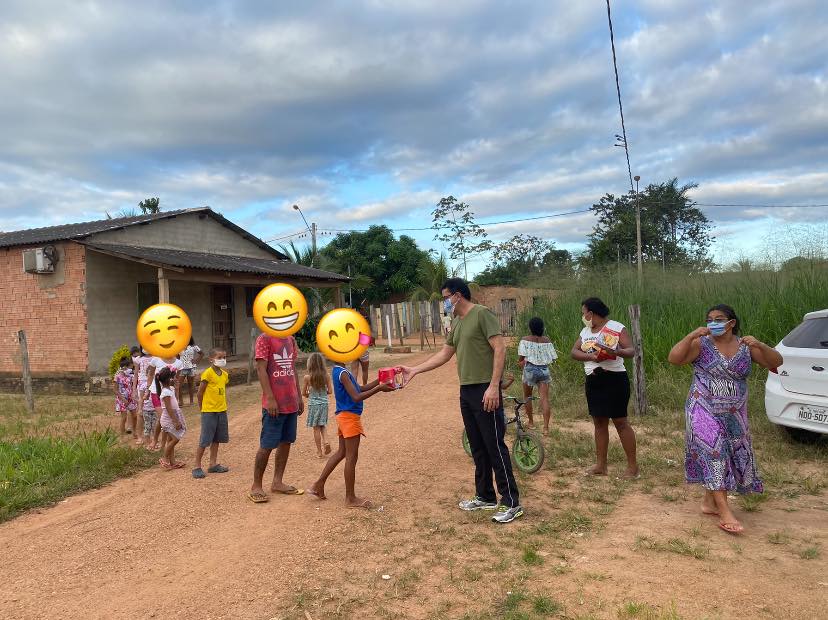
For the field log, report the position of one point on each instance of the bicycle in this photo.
(527, 449)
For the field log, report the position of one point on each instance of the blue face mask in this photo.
(448, 306)
(716, 329)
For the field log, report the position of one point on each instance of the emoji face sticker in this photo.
(280, 310)
(164, 330)
(343, 335)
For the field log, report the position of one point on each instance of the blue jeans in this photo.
(277, 429)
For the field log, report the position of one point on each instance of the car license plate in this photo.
(813, 414)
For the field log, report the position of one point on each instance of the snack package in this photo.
(608, 338)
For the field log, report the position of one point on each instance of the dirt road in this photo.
(162, 545)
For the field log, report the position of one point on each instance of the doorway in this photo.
(223, 336)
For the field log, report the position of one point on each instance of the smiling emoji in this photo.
(343, 335)
(164, 330)
(280, 310)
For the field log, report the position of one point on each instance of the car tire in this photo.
(800, 435)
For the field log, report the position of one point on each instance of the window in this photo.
(811, 334)
(250, 293)
(147, 295)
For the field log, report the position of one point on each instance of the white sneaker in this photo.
(507, 515)
(475, 503)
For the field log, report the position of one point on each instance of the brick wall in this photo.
(50, 308)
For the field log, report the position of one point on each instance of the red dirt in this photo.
(161, 544)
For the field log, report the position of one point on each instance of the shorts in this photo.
(277, 429)
(213, 429)
(156, 401)
(149, 421)
(607, 393)
(350, 424)
(187, 372)
(365, 358)
(532, 374)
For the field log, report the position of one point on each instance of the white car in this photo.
(796, 395)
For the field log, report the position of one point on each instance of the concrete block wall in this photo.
(112, 300)
(193, 231)
(112, 305)
(50, 308)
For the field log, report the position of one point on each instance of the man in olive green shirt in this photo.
(476, 338)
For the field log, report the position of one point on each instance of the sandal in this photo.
(290, 491)
(257, 498)
(365, 504)
(731, 528)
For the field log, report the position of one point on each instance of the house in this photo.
(78, 289)
(508, 302)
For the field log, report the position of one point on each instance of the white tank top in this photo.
(609, 335)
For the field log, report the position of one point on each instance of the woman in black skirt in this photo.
(602, 346)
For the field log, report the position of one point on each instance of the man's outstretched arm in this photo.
(435, 361)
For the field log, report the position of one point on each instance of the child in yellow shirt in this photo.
(212, 400)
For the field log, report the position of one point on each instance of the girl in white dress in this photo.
(535, 353)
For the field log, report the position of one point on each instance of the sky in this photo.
(369, 111)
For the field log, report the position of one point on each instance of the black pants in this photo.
(486, 432)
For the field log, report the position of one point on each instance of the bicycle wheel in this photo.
(528, 452)
(466, 445)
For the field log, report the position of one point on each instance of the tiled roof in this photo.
(82, 230)
(217, 262)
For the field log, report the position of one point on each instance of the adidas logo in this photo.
(284, 360)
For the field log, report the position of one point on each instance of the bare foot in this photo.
(359, 502)
(546, 432)
(327, 448)
(596, 471)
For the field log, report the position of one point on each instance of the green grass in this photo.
(809, 553)
(38, 471)
(678, 546)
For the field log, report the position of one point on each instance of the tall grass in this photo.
(37, 471)
(673, 303)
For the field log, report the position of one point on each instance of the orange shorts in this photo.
(350, 424)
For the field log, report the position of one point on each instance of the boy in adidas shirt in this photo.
(282, 404)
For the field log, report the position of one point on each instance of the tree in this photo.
(150, 205)
(433, 272)
(380, 265)
(673, 230)
(456, 228)
(517, 260)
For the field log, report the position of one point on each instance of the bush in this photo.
(306, 337)
(115, 362)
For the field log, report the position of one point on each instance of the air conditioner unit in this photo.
(40, 260)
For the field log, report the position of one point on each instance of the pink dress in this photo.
(168, 417)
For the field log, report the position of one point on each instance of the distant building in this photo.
(508, 302)
(78, 289)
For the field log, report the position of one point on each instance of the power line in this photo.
(618, 90)
(554, 215)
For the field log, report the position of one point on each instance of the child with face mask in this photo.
(212, 401)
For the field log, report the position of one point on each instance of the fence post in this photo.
(27, 375)
(639, 381)
(252, 359)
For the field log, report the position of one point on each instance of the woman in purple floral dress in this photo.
(719, 453)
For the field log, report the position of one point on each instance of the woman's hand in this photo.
(699, 332)
(751, 342)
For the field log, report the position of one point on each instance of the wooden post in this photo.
(27, 375)
(163, 287)
(396, 309)
(252, 361)
(639, 381)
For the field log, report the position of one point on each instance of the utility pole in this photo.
(638, 229)
(313, 243)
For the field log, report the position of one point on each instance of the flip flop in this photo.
(365, 504)
(316, 495)
(257, 498)
(290, 491)
(731, 528)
